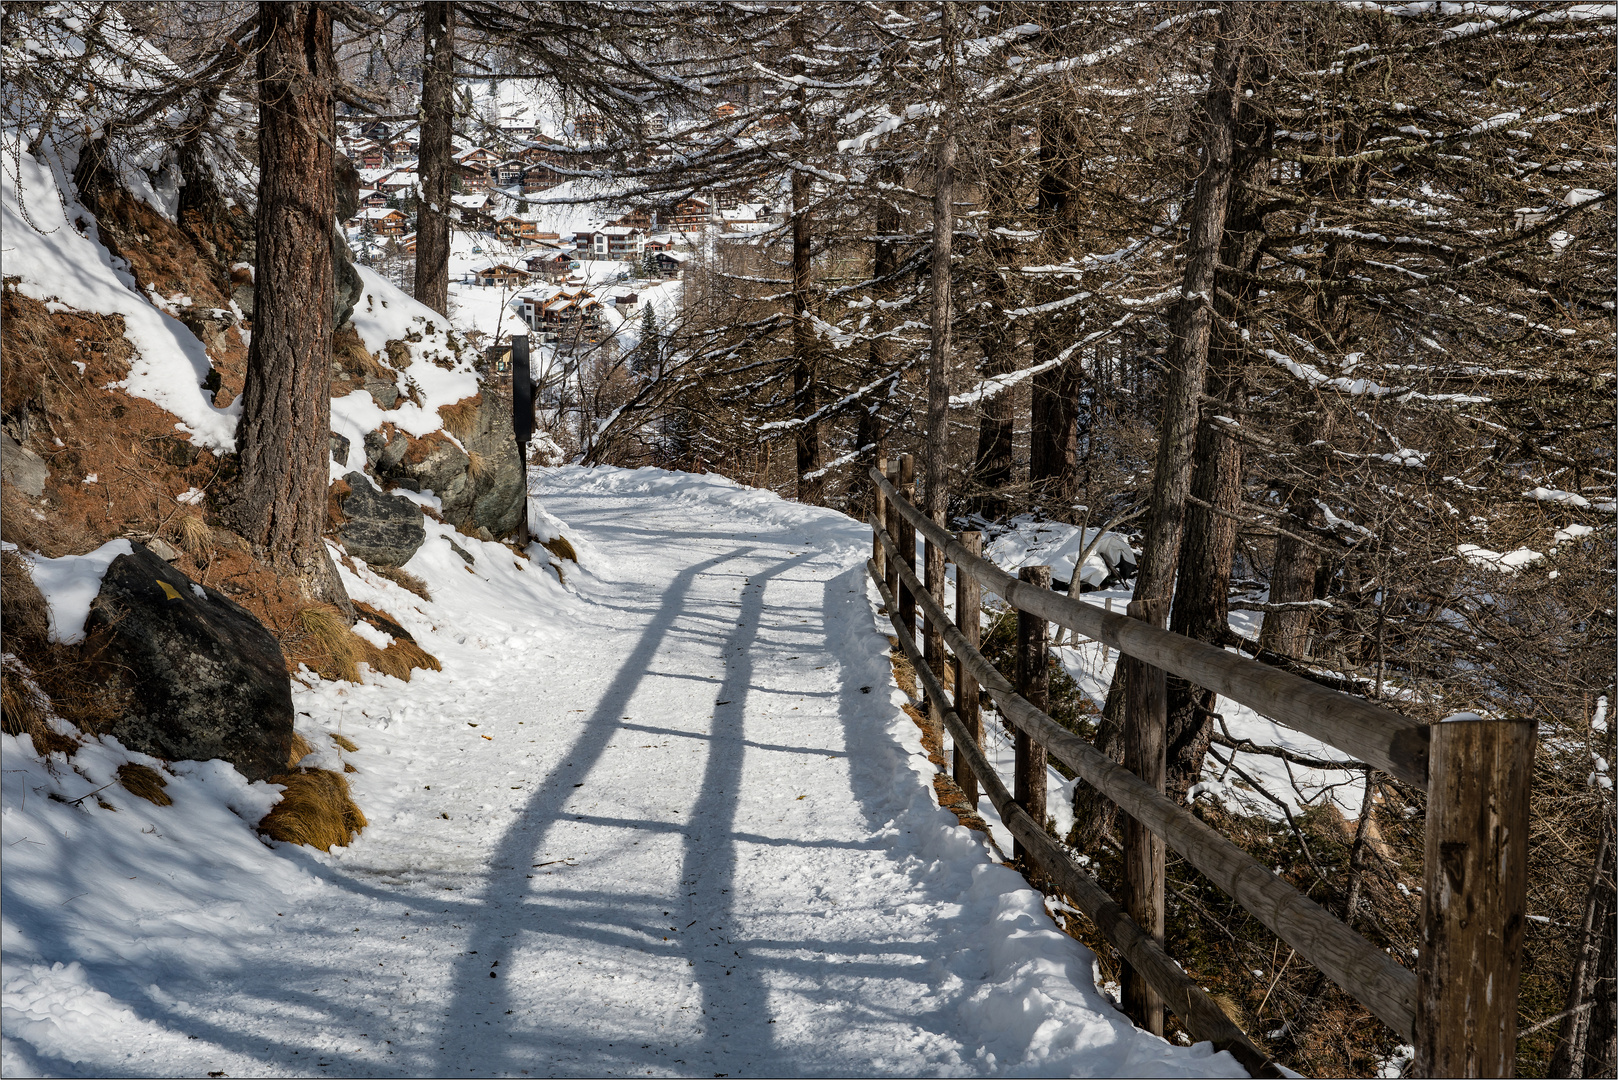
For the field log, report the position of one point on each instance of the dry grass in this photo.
(561, 548)
(25, 709)
(337, 649)
(193, 533)
(342, 741)
(22, 605)
(461, 418)
(300, 748)
(316, 809)
(404, 580)
(350, 354)
(144, 781)
(477, 463)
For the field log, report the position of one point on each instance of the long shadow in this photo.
(487, 941)
(735, 998)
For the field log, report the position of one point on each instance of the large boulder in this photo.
(500, 487)
(22, 467)
(384, 530)
(188, 673)
(480, 487)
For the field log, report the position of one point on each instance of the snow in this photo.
(691, 747)
(70, 583)
(1035, 543)
(44, 248)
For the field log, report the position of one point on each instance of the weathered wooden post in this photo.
(892, 565)
(1475, 898)
(968, 604)
(1145, 739)
(879, 510)
(932, 638)
(1033, 683)
(907, 542)
(522, 420)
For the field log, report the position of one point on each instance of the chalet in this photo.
(477, 211)
(372, 197)
(509, 172)
(498, 274)
(512, 227)
(667, 264)
(590, 127)
(380, 221)
(660, 242)
(692, 212)
(537, 178)
(376, 130)
(657, 125)
(397, 183)
(562, 315)
(369, 155)
(638, 218)
(400, 149)
(476, 168)
(625, 303)
(407, 243)
(552, 263)
(722, 111)
(613, 242)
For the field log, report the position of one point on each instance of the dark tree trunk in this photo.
(1052, 448)
(283, 437)
(1184, 383)
(996, 416)
(872, 428)
(436, 162)
(1201, 604)
(805, 347)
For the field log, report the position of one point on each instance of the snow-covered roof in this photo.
(375, 213)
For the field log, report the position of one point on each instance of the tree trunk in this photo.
(1052, 448)
(1292, 578)
(284, 433)
(1201, 608)
(1193, 320)
(996, 416)
(805, 359)
(1574, 1049)
(1186, 374)
(872, 428)
(436, 162)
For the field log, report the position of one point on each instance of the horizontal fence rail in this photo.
(1377, 736)
(1459, 1008)
(1204, 1019)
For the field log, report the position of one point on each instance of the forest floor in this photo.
(666, 818)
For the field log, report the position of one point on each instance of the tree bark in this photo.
(872, 427)
(1201, 608)
(284, 434)
(805, 366)
(1052, 449)
(436, 161)
(1193, 320)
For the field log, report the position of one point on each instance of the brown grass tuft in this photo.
(193, 533)
(22, 605)
(461, 418)
(342, 741)
(300, 747)
(477, 463)
(415, 655)
(404, 579)
(336, 646)
(316, 809)
(145, 781)
(25, 709)
(562, 548)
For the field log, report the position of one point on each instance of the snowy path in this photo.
(670, 824)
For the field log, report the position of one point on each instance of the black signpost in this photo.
(522, 419)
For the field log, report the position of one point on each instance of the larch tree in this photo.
(283, 438)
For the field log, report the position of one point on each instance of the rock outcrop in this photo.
(481, 486)
(189, 673)
(382, 529)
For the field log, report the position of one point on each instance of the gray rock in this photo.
(459, 550)
(347, 286)
(385, 393)
(190, 674)
(243, 295)
(384, 530)
(498, 494)
(21, 467)
(432, 463)
(163, 549)
(339, 448)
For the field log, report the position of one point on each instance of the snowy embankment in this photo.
(665, 818)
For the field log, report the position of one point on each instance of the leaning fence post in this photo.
(932, 633)
(968, 605)
(1475, 897)
(879, 510)
(1033, 683)
(907, 543)
(891, 563)
(1145, 737)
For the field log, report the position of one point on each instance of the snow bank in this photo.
(51, 245)
(71, 583)
(1030, 542)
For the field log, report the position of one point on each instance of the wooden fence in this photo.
(1458, 1009)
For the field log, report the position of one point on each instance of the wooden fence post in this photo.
(968, 606)
(932, 633)
(1475, 897)
(1145, 738)
(1033, 683)
(879, 510)
(890, 563)
(907, 543)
